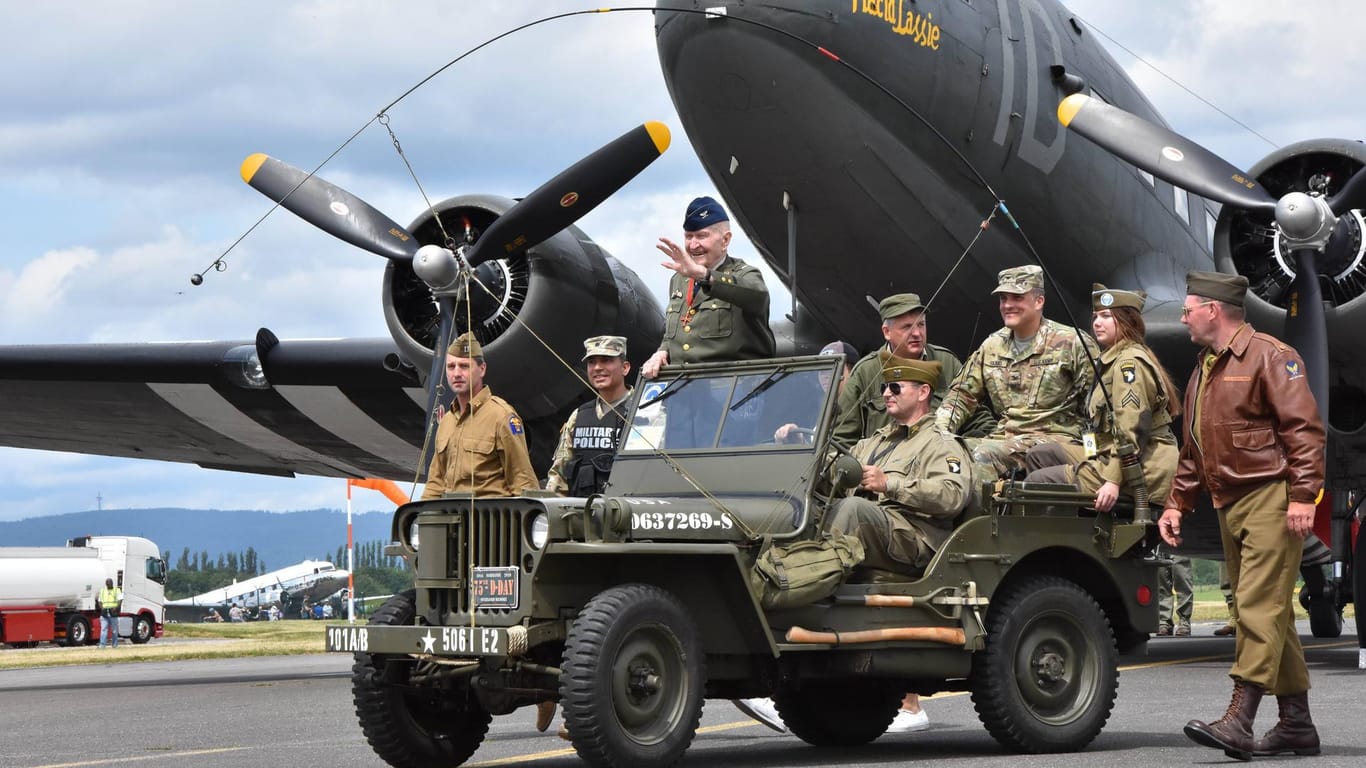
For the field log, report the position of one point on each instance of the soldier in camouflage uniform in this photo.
(919, 477)
(589, 438)
(861, 411)
(718, 304)
(1034, 374)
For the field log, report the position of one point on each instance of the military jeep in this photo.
(632, 607)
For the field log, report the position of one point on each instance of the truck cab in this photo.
(631, 607)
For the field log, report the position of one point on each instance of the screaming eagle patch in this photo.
(1127, 371)
(955, 466)
(515, 424)
(1293, 370)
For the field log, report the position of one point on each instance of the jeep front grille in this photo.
(487, 537)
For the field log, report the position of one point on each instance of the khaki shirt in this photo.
(481, 451)
(861, 408)
(1042, 391)
(1140, 413)
(555, 481)
(731, 322)
(929, 475)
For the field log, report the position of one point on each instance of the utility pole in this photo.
(99, 502)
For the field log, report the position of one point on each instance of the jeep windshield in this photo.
(747, 434)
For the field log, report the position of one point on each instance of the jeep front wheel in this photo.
(631, 681)
(1048, 677)
(841, 713)
(409, 722)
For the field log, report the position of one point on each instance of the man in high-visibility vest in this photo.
(110, 601)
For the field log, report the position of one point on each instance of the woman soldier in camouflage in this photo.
(1142, 404)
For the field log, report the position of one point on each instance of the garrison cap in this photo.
(899, 304)
(1230, 289)
(465, 345)
(841, 348)
(1110, 298)
(702, 213)
(604, 346)
(904, 369)
(1020, 279)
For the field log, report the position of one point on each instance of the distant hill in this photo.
(279, 538)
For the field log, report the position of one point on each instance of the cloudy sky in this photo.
(120, 143)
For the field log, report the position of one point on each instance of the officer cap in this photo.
(841, 348)
(465, 345)
(1020, 279)
(899, 304)
(903, 369)
(604, 346)
(1230, 289)
(702, 213)
(1110, 298)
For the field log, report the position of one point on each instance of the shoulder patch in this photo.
(1128, 372)
(955, 466)
(515, 424)
(1293, 370)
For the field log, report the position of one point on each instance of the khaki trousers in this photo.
(1263, 560)
(890, 542)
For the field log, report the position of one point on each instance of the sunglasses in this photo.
(894, 386)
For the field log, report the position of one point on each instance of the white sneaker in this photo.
(763, 711)
(909, 722)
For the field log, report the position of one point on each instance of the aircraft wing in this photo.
(338, 408)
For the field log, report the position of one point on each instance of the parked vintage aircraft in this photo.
(310, 580)
(860, 145)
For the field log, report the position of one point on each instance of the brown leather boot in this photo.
(1232, 732)
(1294, 732)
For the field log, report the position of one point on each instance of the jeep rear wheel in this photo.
(840, 713)
(1048, 677)
(409, 725)
(632, 678)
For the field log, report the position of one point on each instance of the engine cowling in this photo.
(1247, 243)
(532, 313)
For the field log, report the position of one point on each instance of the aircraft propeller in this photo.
(553, 206)
(1307, 223)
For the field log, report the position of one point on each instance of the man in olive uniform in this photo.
(589, 439)
(1034, 375)
(904, 327)
(1255, 443)
(480, 443)
(919, 476)
(718, 304)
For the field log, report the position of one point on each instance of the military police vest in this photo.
(593, 446)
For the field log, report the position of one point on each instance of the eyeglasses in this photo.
(893, 386)
(1186, 311)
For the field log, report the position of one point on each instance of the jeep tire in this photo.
(412, 727)
(632, 678)
(1048, 677)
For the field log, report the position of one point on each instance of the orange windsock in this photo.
(387, 487)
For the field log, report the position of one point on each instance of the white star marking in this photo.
(428, 642)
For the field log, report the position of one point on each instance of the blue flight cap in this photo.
(702, 213)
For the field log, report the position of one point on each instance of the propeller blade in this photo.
(328, 207)
(1351, 196)
(1162, 152)
(446, 305)
(1306, 328)
(566, 198)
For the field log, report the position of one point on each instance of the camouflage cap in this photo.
(919, 371)
(1020, 279)
(604, 346)
(898, 304)
(1110, 298)
(465, 345)
(1230, 289)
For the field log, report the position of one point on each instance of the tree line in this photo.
(195, 573)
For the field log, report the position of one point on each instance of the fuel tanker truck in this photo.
(47, 594)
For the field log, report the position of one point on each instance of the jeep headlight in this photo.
(538, 529)
(412, 534)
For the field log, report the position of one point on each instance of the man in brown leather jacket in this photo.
(1254, 440)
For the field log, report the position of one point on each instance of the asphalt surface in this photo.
(296, 710)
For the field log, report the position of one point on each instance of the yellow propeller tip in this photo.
(1070, 106)
(659, 134)
(252, 164)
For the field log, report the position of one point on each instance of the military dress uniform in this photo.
(721, 317)
(929, 483)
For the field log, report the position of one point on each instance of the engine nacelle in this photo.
(1247, 243)
(526, 310)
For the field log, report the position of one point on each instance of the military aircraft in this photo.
(860, 145)
(311, 580)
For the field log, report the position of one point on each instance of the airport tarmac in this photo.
(270, 711)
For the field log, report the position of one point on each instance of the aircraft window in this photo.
(1210, 221)
(1181, 201)
(727, 411)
